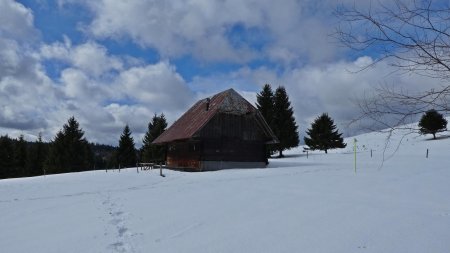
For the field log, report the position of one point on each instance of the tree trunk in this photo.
(281, 153)
(434, 136)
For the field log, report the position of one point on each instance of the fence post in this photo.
(354, 148)
(371, 153)
(160, 170)
(427, 153)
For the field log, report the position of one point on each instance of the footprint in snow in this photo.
(121, 247)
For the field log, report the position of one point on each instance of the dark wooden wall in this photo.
(226, 137)
(230, 126)
(229, 137)
(183, 154)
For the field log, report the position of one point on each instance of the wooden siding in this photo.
(230, 126)
(233, 150)
(229, 137)
(183, 155)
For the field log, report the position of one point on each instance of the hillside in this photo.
(297, 204)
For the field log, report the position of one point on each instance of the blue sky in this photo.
(111, 63)
(55, 21)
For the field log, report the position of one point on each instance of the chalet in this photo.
(224, 131)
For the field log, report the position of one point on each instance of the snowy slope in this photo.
(298, 204)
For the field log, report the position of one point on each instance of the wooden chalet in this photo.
(224, 131)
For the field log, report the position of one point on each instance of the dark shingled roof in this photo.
(198, 116)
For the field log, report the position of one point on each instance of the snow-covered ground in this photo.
(298, 204)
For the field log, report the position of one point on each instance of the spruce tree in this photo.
(432, 122)
(323, 135)
(69, 150)
(284, 125)
(156, 127)
(265, 105)
(126, 153)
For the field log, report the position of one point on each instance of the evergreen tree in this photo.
(265, 105)
(284, 125)
(432, 122)
(69, 150)
(20, 157)
(126, 153)
(6, 157)
(156, 127)
(36, 157)
(323, 135)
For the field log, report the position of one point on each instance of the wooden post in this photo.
(119, 167)
(354, 148)
(160, 170)
(427, 153)
(371, 153)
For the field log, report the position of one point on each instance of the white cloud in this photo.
(89, 57)
(16, 21)
(158, 86)
(295, 31)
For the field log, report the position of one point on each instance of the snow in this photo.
(298, 204)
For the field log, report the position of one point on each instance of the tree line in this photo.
(69, 151)
(323, 133)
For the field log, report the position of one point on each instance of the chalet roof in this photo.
(192, 121)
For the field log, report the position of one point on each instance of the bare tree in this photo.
(413, 36)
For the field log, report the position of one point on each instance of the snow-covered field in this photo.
(298, 204)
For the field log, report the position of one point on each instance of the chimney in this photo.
(208, 100)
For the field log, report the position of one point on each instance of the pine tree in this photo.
(156, 127)
(432, 122)
(265, 105)
(323, 135)
(126, 153)
(284, 125)
(6, 157)
(69, 150)
(20, 157)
